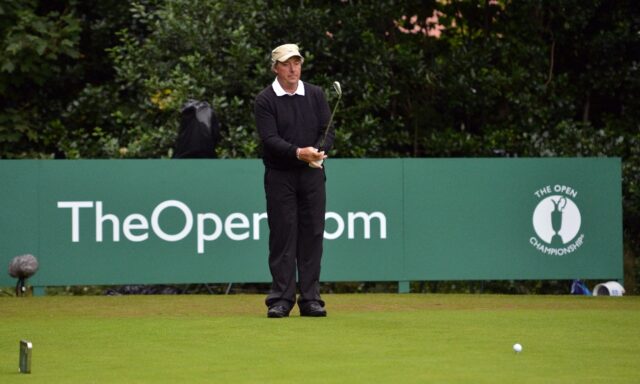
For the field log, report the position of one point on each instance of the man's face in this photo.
(288, 72)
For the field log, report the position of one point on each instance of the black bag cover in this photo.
(199, 131)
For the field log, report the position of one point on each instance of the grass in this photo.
(379, 338)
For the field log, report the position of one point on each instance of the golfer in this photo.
(291, 116)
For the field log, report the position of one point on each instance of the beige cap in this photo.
(284, 52)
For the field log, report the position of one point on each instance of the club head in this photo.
(336, 86)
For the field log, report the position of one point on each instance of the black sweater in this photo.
(287, 123)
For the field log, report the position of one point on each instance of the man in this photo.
(291, 116)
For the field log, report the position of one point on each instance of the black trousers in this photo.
(296, 204)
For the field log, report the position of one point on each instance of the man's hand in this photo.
(316, 164)
(312, 156)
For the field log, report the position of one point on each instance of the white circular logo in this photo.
(556, 220)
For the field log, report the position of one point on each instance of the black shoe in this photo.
(313, 310)
(277, 311)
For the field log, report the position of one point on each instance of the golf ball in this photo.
(517, 347)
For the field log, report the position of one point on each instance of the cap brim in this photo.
(288, 56)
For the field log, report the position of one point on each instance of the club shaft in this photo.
(326, 131)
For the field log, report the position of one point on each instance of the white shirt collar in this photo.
(281, 92)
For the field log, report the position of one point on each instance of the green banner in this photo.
(494, 219)
(204, 221)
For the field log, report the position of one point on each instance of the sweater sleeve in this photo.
(268, 130)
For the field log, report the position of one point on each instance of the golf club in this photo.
(338, 89)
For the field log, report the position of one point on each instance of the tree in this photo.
(55, 77)
(39, 47)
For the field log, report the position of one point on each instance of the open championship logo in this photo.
(557, 221)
